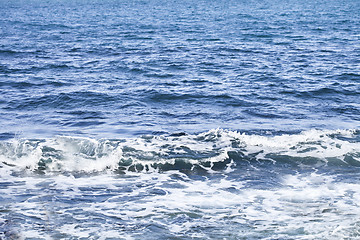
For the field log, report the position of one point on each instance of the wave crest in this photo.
(214, 150)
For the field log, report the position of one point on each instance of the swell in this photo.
(199, 98)
(215, 150)
(29, 84)
(31, 68)
(321, 92)
(62, 101)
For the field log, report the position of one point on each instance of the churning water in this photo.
(175, 119)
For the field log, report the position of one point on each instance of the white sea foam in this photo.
(89, 155)
(307, 205)
(67, 199)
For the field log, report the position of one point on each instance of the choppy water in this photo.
(179, 119)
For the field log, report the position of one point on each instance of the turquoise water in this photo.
(179, 119)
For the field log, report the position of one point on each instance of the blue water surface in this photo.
(124, 68)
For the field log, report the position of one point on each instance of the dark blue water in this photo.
(179, 119)
(115, 68)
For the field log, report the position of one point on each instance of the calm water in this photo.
(179, 119)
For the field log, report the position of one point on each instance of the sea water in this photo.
(154, 119)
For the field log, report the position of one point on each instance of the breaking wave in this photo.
(215, 150)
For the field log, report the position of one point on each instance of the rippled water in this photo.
(91, 67)
(179, 119)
